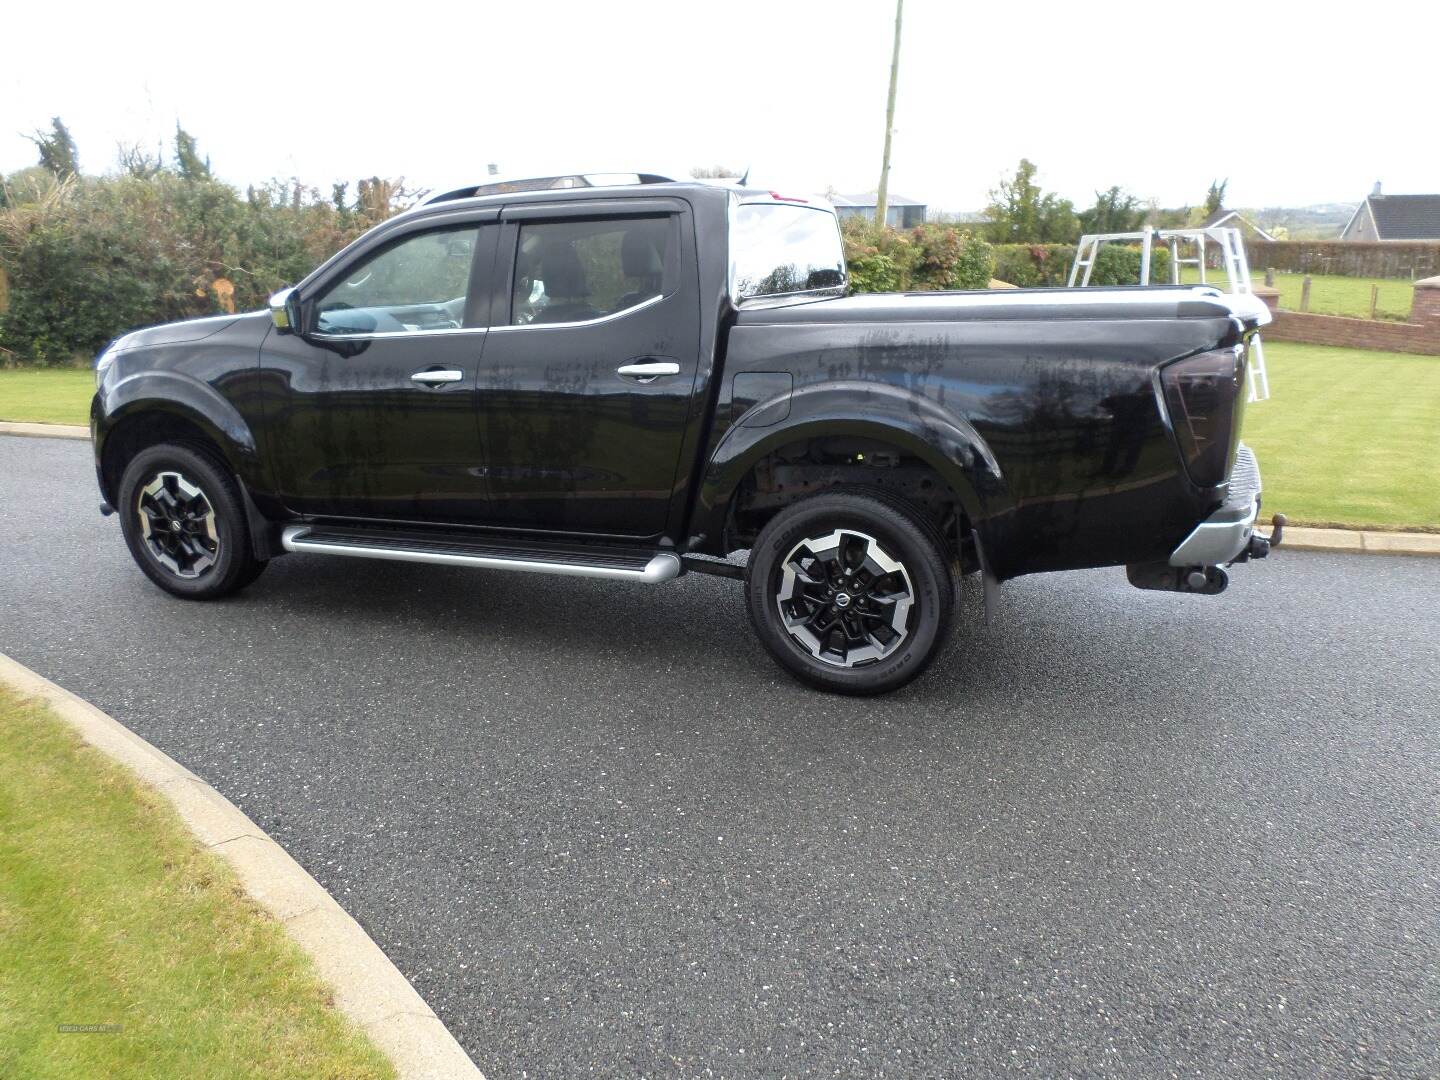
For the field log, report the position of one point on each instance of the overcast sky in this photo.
(795, 90)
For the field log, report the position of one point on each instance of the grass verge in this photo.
(47, 395)
(113, 918)
(1350, 438)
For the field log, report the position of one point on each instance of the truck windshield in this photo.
(780, 248)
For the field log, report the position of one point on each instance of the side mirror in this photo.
(285, 311)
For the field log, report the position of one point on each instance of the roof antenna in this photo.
(744, 178)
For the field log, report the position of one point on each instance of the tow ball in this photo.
(1259, 546)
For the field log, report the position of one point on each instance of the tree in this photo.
(57, 149)
(1114, 211)
(188, 162)
(1020, 213)
(1215, 197)
(135, 161)
(712, 172)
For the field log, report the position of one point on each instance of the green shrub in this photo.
(924, 258)
(874, 272)
(88, 258)
(1033, 266)
(1120, 265)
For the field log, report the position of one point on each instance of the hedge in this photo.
(1410, 260)
(1047, 265)
(927, 257)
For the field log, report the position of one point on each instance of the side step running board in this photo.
(660, 566)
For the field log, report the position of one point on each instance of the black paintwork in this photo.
(1039, 412)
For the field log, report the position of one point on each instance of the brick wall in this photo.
(1426, 309)
(1420, 335)
(1353, 333)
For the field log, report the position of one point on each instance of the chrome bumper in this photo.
(1225, 534)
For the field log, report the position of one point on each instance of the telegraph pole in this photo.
(883, 193)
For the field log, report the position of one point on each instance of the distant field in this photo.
(1329, 294)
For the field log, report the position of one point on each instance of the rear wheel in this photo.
(184, 522)
(850, 591)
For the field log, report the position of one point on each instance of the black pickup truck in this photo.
(635, 380)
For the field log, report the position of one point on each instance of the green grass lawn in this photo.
(46, 395)
(111, 914)
(1349, 437)
(1329, 294)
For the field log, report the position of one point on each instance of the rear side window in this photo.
(573, 271)
(779, 248)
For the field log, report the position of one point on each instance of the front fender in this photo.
(174, 394)
(906, 420)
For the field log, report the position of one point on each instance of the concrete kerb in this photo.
(44, 431)
(366, 986)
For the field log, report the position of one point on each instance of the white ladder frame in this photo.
(1232, 252)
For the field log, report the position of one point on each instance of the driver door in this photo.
(371, 409)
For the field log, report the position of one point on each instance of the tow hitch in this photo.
(1257, 547)
(1206, 580)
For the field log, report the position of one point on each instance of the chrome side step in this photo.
(660, 566)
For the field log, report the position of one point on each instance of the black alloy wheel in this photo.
(177, 522)
(850, 590)
(184, 522)
(845, 598)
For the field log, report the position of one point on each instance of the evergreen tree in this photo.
(1215, 197)
(57, 149)
(188, 162)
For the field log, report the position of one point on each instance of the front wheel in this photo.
(850, 591)
(184, 522)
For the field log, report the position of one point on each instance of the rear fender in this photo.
(908, 421)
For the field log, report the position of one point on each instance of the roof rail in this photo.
(549, 183)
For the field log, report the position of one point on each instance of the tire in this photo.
(868, 639)
(184, 522)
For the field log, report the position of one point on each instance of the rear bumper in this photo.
(1225, 534)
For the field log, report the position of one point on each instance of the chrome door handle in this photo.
(437, 378)
(649, 370)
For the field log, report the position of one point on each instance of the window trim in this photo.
(641, 306)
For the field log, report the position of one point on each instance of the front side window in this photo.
(572, 271)
(779, 248)
(420, 283)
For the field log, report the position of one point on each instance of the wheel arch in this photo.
(155, 407)
(890, 416)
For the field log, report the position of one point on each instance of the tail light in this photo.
(1204, 395)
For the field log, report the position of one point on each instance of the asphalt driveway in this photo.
(1116, 834)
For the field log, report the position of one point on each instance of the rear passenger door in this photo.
(586, 383)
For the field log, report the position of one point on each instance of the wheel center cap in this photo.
(175, 526)
(842, 600)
